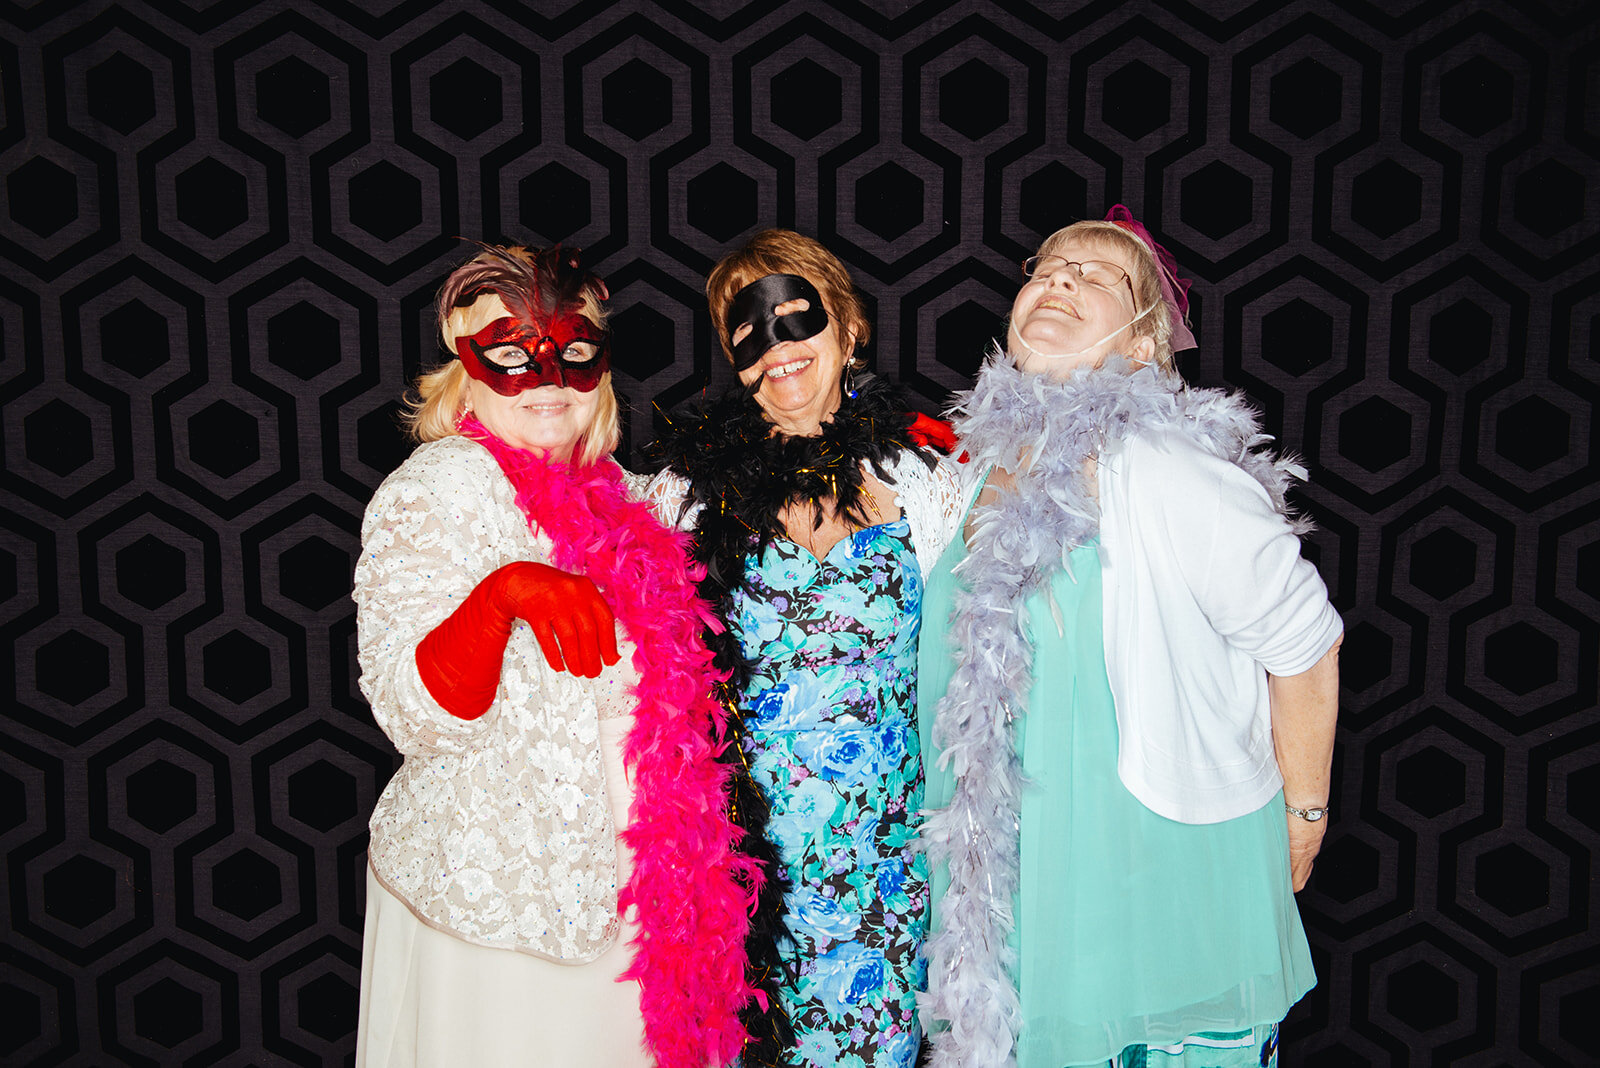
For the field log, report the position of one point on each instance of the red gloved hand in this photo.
(460, 659)
(927, 431)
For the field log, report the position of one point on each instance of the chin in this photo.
(544, 443)
(788, 394)
(1053, 338)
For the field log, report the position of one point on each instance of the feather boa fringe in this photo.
(743, 475)
(691, 889)
(1045, 431)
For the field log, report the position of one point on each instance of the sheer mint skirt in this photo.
(1131, 928)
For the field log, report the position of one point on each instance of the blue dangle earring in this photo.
(850, 380)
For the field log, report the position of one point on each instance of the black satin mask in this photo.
(755, 304)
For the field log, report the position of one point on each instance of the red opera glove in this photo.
(460, 659)
(928, 431)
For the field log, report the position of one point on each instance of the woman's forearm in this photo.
(1305, 710)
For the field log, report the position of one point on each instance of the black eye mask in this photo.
(754, 304)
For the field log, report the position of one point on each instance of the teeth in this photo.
(788, 369)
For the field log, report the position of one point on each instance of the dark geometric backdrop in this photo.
(222, 224)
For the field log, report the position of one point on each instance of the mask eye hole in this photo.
(505, 355)
(580, 351)
(788, 307)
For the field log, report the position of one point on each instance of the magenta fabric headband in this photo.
(1174, 290)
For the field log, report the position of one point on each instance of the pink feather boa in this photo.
(692, 892)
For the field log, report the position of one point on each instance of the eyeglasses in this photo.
(1096, 272)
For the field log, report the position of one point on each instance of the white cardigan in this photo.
(1205, 593)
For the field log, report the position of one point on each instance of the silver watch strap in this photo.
(1310, 815)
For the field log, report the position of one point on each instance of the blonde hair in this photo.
(1146, 279)
(786, 252)
(440, 395)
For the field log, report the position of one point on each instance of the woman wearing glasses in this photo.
(1129, 676)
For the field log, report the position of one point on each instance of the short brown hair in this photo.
(1157, 326)
(786, 252)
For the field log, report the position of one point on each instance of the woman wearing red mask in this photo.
(529, 637)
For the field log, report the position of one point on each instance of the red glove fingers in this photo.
(928, 431)
(460, 659)
(569, 617)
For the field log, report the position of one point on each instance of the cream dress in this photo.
(492, 936)
(431, 999)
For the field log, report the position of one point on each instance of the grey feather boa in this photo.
(1045, 431)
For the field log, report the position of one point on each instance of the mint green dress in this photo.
(1131, 928)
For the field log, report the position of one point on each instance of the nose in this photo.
(1067, 278)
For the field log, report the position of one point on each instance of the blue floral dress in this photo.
(832, 740)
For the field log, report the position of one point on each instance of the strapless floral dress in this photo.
(831, 738)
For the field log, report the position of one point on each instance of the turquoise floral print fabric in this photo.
(832, 740)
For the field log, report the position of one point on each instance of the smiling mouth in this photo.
(787, 369)
(1060, 304)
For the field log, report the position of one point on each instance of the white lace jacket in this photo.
(498, 829)
(934, 501)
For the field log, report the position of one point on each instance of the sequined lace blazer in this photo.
(496, 830)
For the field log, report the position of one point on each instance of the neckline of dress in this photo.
(827, 556)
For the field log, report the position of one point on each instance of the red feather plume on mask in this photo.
(536, 286)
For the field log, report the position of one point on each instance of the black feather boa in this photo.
(742, 474)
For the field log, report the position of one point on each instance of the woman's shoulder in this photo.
(666, 482)
(448, 453)
(1172, 470)
(942, 486)
(1175, 450)
(933, 498)
(1206, 429)
(442, 468)
(1196, 477)
(636, 484)
(667, 492)
(928, 466)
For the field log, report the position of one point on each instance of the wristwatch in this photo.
(1310, 815)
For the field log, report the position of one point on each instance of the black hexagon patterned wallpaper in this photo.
(221, 227)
